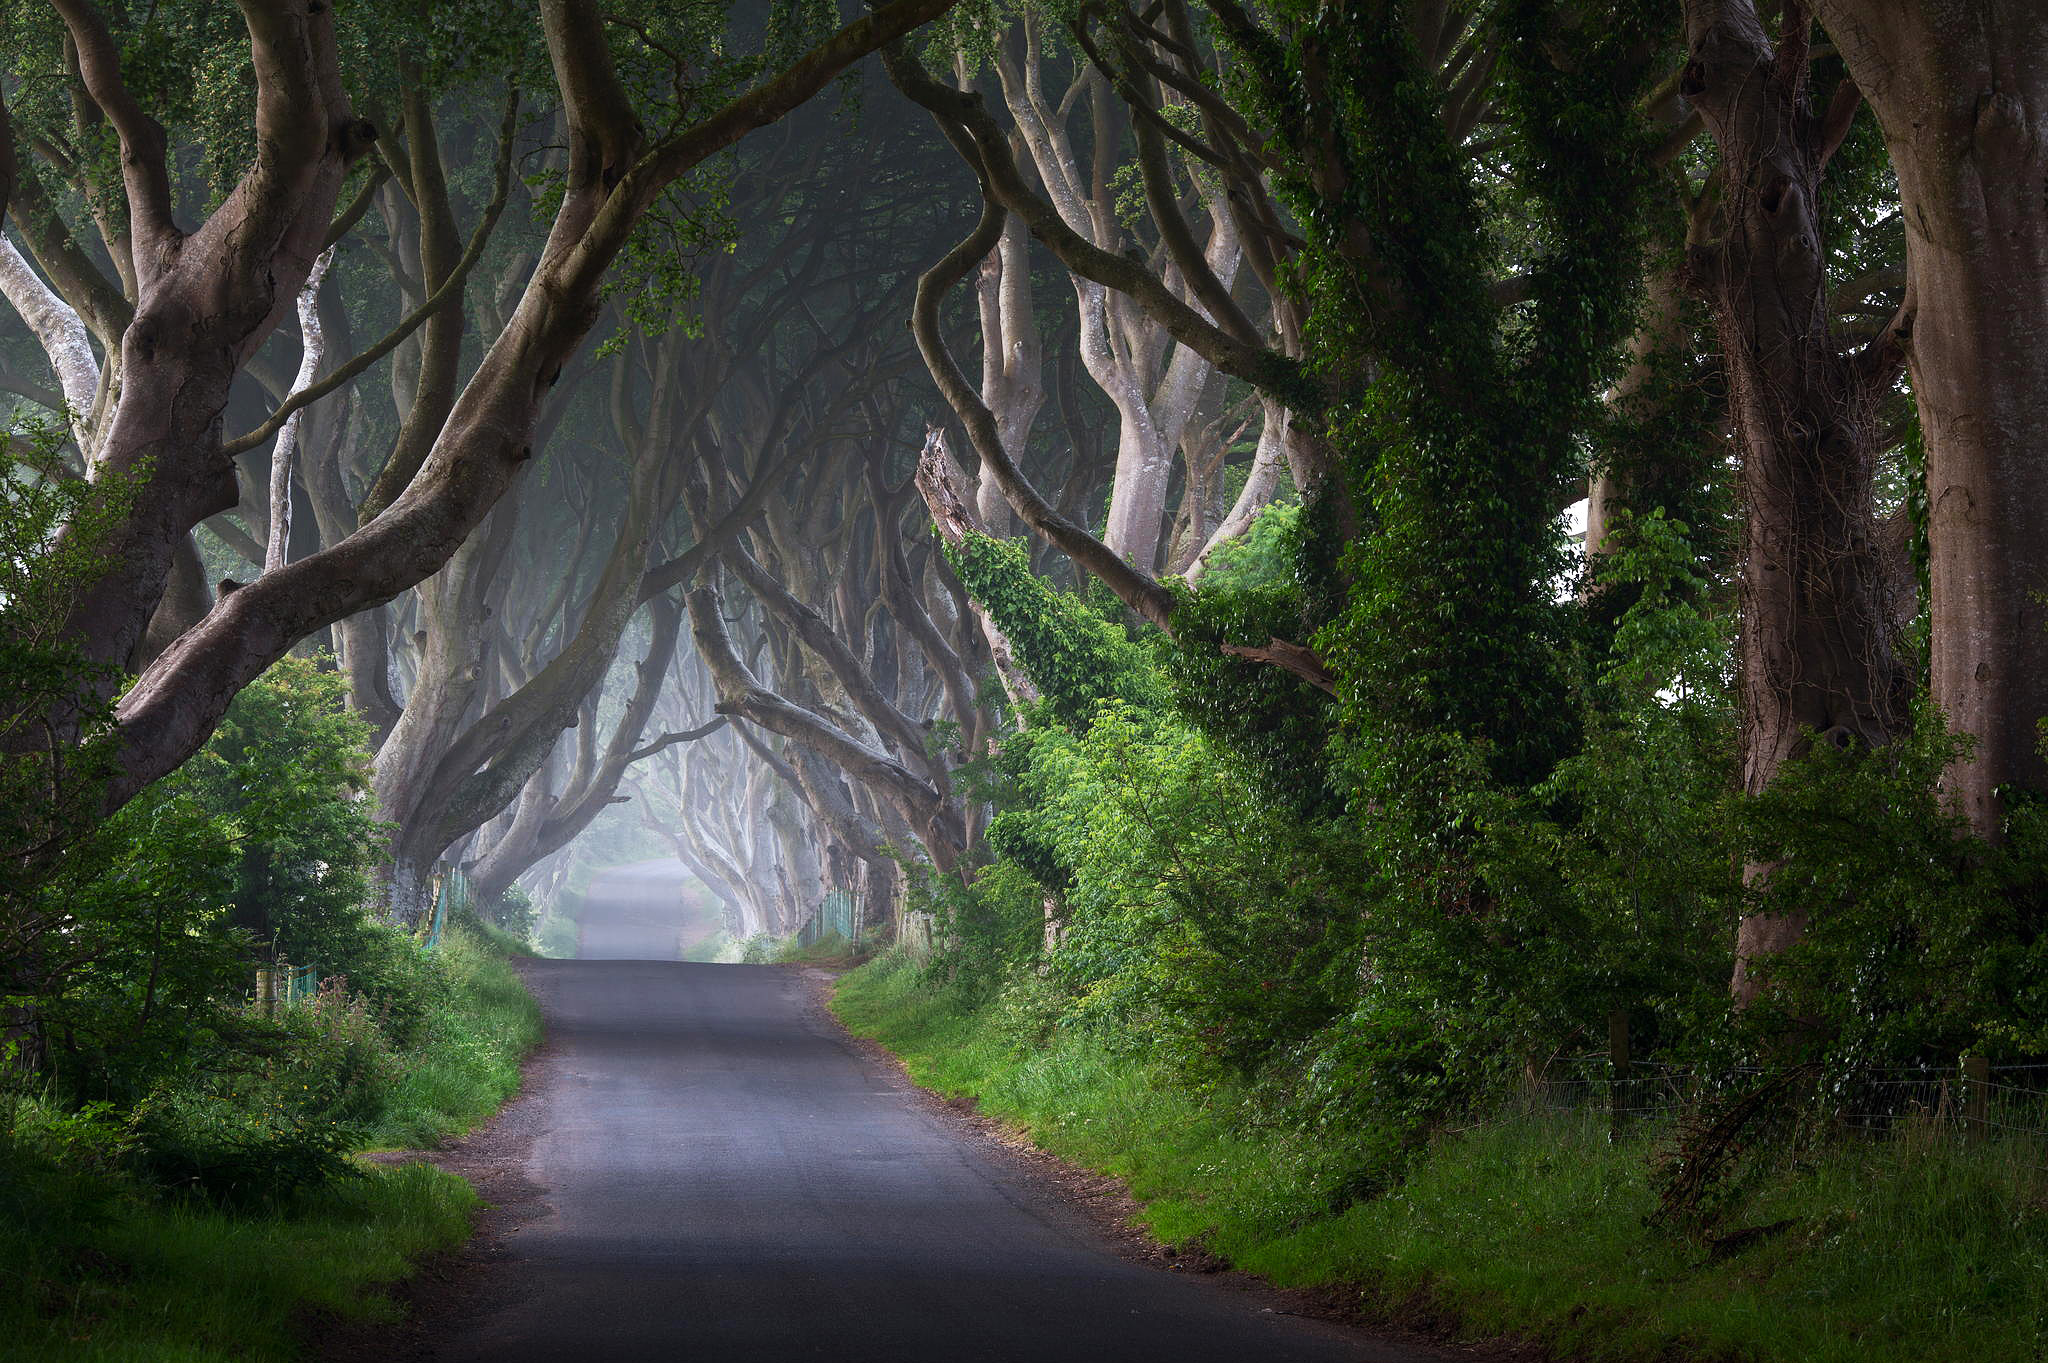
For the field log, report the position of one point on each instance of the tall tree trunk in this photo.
(199, 320)
(1817, 653)
(283, 455)
(205, 299)
(1660, 334)
(1961, 91)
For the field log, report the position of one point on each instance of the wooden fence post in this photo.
(1618, 1058)
(1977, 1095)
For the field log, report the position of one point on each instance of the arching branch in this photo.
(450, 288)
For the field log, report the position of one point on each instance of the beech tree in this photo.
(797, 351)
(1362, 297)
(1960, 93)
(206, 298)
(1821, 620)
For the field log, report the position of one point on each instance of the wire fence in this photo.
(837, 915)
(296, 984)
(1969, 1094)
(284, 986)
(451, 894)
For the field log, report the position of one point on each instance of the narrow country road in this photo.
(722, 1177)
(632, 914)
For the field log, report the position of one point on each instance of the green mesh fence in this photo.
(452, 895)
(297, 983)
(837, 915)
(286, 985)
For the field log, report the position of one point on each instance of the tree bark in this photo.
(174, 706)
(1961, 92)
(205, 299)
(1818, 652)
(283, 455)
(64, 339)
(921, 804)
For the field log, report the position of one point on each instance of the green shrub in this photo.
(1923, 942)
(205, 1220)
(237, 1146)
(100, 1271)
(512, 912)
(258, 849)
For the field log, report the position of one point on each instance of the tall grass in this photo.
(1922, 1247)
(142, 1281)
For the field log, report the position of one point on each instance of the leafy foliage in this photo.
(1077, 658)
(260, 846)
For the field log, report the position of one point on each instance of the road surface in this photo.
(640, 914)
(723, 1177)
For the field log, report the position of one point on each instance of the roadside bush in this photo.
(1923, 942)
(63, 1175)
(1028, 1008)
(258, 849)
(238, 1143)
(268, 1107)
(478, 1022)
(1199, 915)
(287, 774)
(100, 1265)
(89, 1140)
(559, 933)
(983, 931)
(511, 912)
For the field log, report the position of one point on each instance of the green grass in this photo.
(1923, 1248)
(153, 1281)
(718, 948)
(479, 1033)
(500, 941)
(97, 1268)
(831, 949)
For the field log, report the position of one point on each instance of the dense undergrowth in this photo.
(469, 1064)
(831, 949)
(258, 1236)
(1294, 950)
(1524, 1222)
(179, 1161)
(1299, 970)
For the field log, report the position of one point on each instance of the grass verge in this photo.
(140, 1280)
(1921, 1248)
(718, 948)
(483, 1024)
(98, 1267)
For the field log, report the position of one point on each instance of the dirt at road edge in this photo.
(449, 1288)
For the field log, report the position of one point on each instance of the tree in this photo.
(1960, 93)
(207, 298)
(1821, 652)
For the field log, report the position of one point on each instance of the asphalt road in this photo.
(723, 1176)
(635, 913)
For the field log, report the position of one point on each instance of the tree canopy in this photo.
(1351, 542)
